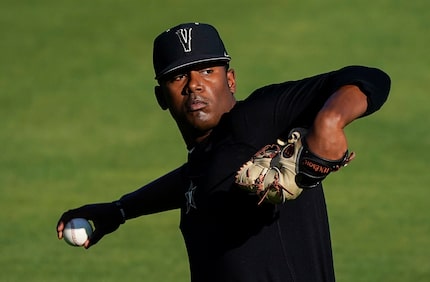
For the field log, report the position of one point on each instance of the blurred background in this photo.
(79, 124)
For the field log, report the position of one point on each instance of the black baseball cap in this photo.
(185, 45)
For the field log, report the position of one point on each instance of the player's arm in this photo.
(360, 92)
(163, 194)
(326, 103)
(326, 137)
(357, 91)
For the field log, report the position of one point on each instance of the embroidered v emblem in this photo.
(189, 196)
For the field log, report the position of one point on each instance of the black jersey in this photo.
(228, 236)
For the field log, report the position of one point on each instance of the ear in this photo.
(231, 80)
(160, 97)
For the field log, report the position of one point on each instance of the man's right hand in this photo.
(106, 217)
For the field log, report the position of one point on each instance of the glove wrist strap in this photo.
(312, 169)
(118, 204)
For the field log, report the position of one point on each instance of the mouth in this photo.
(196, 104)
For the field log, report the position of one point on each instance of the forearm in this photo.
(326, 137)
(165, 193)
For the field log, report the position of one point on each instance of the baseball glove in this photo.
(279, 172)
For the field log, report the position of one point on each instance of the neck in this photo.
(195, 137)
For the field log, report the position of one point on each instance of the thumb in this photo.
(94, 238)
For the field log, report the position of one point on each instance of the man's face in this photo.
(199, 96)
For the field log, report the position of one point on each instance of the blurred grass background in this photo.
(79, 124)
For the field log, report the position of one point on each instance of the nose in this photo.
(194, 84)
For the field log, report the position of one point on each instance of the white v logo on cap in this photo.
(184, 35)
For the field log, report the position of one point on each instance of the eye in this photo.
(206, 71)
(178, 77)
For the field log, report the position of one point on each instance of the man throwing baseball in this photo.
(251, 199)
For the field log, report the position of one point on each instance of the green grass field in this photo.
(79, 124)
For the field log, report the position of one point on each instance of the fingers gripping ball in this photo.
(77, 231)
(271, 172)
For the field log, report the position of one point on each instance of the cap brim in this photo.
(187, 63)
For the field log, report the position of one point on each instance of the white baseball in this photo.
(77, 231)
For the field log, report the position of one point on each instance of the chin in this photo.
(203, 121)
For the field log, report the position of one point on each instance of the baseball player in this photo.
(250, 194)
